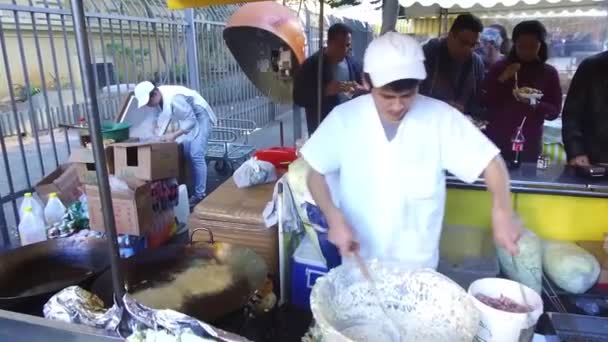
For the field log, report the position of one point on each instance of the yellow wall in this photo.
(551, 216)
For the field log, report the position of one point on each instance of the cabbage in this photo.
(569, 266)
(526, 267)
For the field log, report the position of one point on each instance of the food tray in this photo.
(574, 328)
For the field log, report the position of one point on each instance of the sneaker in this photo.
(194, 200)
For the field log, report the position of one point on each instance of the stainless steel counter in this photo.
(556, 180)
(17, 327)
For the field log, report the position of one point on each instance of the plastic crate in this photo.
(307, 265)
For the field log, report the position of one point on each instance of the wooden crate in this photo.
(235, 216)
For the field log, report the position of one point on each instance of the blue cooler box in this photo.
(306, 266)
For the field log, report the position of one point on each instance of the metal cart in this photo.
(229, 144)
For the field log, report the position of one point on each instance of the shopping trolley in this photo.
(229, 145)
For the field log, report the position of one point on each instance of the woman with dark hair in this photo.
(525, 67)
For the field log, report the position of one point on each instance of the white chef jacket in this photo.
(393, 192)
(177, 108)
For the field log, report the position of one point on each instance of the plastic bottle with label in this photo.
(54, 210)
(30, 202)
(31, 228)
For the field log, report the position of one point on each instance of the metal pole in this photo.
(192, 50)
(90, 92)
(297, 122)
(320, 89)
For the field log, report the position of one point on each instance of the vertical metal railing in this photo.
(130, 41)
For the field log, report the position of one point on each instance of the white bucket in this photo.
(502, 326)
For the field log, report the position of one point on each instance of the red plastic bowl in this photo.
(280, 157)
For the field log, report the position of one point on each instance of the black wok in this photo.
(159, 267)
(30, 275)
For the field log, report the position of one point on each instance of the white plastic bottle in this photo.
(182, 211)
(30, 202)
(54, 210)
(31, 228)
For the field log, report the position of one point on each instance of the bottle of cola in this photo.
(517, 146)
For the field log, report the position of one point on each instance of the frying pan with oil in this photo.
(205, 280)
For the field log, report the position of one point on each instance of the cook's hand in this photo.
(580, 161)
(168, 137)
(509, 72)
(333, 88)
(341, 234)
(507, 230)
(457, 106)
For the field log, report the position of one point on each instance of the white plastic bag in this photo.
(526, 267)
(254, 172)
(569, 266)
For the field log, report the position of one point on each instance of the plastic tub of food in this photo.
(509, 310)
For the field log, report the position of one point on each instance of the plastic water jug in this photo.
(182, 210)
(54, 210)
(30, 202)
(31, 228)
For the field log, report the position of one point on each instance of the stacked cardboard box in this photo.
(63, 181)
(235, 216)
(83, 161)
(144, 167)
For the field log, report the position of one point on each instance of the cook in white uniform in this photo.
(391, 149)
(195, 118)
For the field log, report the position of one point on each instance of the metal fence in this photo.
(130, 41)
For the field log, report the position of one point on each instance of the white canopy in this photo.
(417, 9)
(467, 4)
(527, 8)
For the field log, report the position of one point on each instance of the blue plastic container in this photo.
(307, 265)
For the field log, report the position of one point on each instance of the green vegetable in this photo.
(569, 266)
(526, 267)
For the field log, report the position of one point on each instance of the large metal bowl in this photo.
(425, 306)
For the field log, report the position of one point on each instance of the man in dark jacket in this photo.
(454, 71)
(585, 114)
(338, 68)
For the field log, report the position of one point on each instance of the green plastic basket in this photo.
(117, 131)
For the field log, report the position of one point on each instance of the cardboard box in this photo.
(133, 213)
(84, 162)
(64, 181)
(146, 161)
